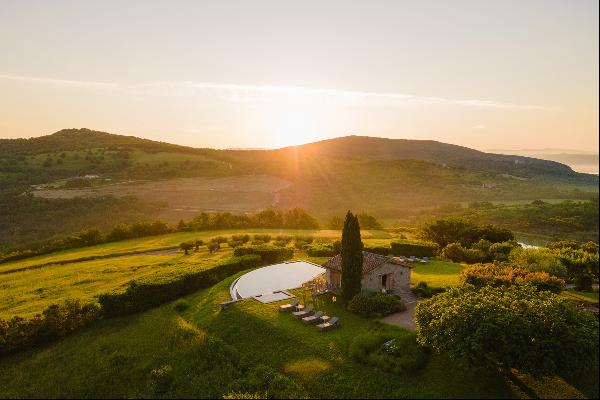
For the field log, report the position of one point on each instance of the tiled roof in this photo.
(370, 262)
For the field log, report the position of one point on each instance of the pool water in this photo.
(274, 278)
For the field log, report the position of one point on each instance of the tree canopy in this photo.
(511, 327)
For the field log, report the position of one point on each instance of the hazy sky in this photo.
(484, 74)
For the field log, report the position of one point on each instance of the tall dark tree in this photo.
(352, 257)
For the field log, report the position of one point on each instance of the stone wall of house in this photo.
(401, 280)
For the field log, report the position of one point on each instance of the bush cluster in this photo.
(391, 353)
(56, 321)
(140, 296)
(268, 253)
(512, 327)
(482, 251)
(375, 304)
(301, 241)
(412, 248)
(481, 275)
(323, 249)
(451, 230)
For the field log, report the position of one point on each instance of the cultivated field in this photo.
(186, 197)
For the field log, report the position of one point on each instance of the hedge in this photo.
(322, 249)
(268, 253)
(56, 321)
(140, 296)
(417, 249)
(378, 249)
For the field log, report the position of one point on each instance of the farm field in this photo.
(206, 352)
(188, 196)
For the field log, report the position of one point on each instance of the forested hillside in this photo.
(388, 178)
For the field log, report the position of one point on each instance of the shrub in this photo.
(213, 246)
(538, 260)
(304, 239)
(392, 353)
(452, 230)
(284, 238)
(378, 249)
(235, 243)
(375, 304)
(367, 221)
(410, 248)
(186, 247)
(244, 238)
(503, 275)
(320, 250)
(364, 344)
(56, 321)
(279, 243)
(263, 238)
(406, 354)
(219, 239)
(511, 327)
(141, 296)
(424, 291)
(268, 253)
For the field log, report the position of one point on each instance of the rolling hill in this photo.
(388, 178)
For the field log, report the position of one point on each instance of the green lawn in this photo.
(114, 358)
(437, 273)
(28, 292)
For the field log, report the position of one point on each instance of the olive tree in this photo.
(509, 327)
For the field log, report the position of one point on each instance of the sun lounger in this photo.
(313, 318)
(304, 313)
(411, 259)
(325, 326)
(425, 260)
(290, 306)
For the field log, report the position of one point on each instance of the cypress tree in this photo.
(352, 257)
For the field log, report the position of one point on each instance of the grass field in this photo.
(437, 273)
(114, 358)
(30, 285)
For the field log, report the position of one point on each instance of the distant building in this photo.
(378, 272)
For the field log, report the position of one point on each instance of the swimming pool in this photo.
(271, 281)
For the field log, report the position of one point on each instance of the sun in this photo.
(292, 122)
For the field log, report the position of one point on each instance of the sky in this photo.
(247, 74)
